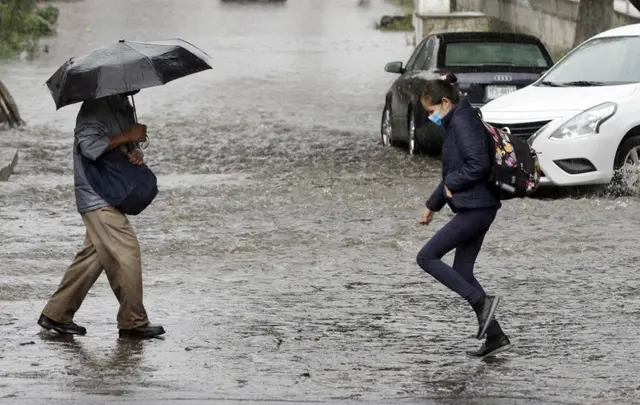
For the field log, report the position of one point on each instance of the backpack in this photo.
(515, 169)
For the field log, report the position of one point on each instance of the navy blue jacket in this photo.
(466, 163)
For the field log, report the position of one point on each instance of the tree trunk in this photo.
(594, 17)
(8, 108)
(635, 3)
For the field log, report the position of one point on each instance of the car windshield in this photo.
(599, 62)
(460, 54)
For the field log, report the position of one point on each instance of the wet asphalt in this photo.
(280, 252)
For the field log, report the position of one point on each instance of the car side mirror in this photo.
(394, 67)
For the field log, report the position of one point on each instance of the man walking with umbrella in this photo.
(107, 163)
(110, 242)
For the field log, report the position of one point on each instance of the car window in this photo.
(416, 53)
(614, 60)
(423, 61)
(459, 54)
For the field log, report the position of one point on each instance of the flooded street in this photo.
(280, 252)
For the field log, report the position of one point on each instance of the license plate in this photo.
(494, 92)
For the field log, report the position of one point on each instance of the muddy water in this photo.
(280, 254)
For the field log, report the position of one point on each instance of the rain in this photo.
(280, 252)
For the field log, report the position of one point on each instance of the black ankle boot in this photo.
(492, 346)
(485, 309)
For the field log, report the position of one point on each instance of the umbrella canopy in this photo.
(124, 67)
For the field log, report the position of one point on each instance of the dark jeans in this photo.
(464, 233)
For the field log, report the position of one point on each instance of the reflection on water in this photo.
(117, 372)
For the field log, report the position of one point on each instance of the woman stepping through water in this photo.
(466, 165)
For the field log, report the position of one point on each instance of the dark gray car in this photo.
(487, 64)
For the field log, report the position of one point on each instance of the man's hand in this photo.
(137, 133)
(426, 217)
(447, 192)
(136, 157)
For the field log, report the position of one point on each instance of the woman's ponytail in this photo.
(443, 87)
(450, 78)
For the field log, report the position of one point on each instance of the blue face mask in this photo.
(436, 118)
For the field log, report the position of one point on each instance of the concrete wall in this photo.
(449, 22)
(439, 16)
(432, 6)
(553, 21)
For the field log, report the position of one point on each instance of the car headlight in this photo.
(586, 123)
(537, 134)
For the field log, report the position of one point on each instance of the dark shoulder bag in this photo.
(127, 187)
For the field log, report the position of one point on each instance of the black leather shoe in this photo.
(146, 331)
(486, 315)
(68, 328)
(492, 347)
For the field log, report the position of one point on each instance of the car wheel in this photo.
(430, 139)
(386, 130)
(413, 143)
(627, 165)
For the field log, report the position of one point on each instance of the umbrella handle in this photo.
(135, 113)
(146, 142)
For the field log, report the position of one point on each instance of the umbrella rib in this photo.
(195, 47)
(179, 39)
(148, 58)
(201, 50)
(63, 80)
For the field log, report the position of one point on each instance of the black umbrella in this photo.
(124, 67)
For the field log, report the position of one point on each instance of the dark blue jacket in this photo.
(466, 163)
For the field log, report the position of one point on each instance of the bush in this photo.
(395, 23)
(22, 24)
(403, 22)
(404, 3)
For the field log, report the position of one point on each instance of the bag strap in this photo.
(491, 147)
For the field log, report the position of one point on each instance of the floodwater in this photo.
(280, 253)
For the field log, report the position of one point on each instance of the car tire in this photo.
(430, 138)
(386, 127)
(626, 166)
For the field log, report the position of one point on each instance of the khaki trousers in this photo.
(111, 245)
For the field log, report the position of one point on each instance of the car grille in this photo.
(522, 130)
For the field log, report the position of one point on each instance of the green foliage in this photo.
(404, 23)
(406, 4)
(22, 24)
